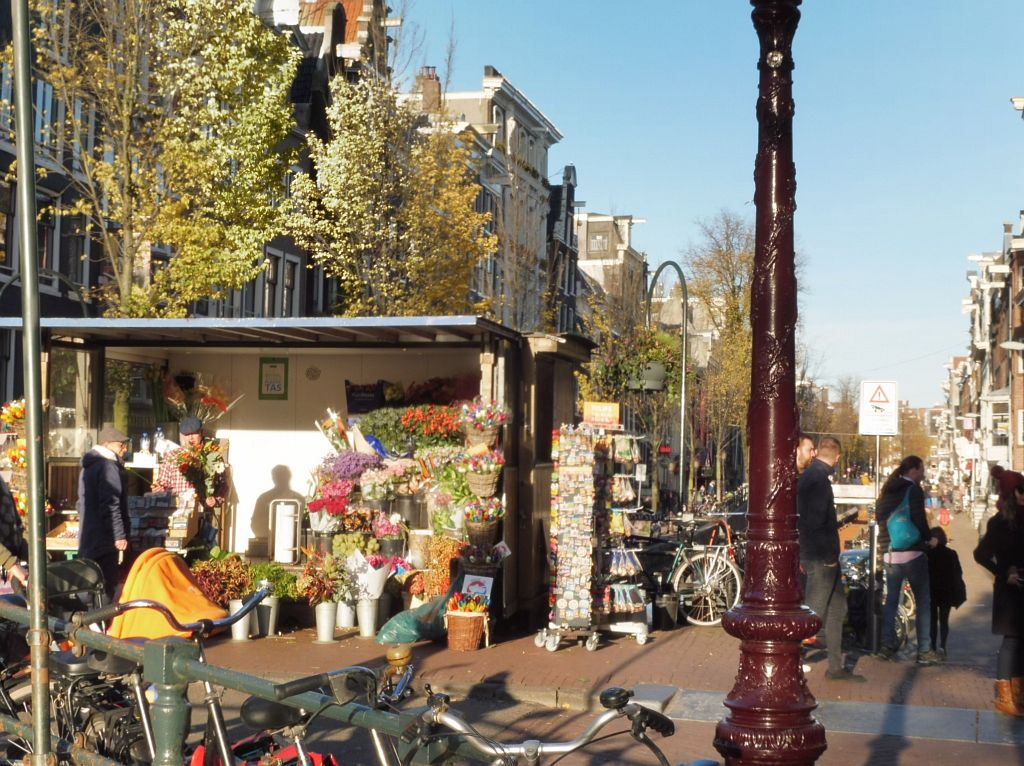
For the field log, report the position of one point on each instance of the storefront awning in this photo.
(292, 332)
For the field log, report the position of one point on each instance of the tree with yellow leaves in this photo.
(167, 125)
(389, 209)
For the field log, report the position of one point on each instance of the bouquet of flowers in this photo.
(388, 527)
(406, 475)
(201, 464)
(480, 415)
(329, 502)
(206, 401)
(333, 430)
(370, 573)
(347, 465)
(375, 484)
(13, 414)
(489, 462)
(483, 509)
(17, 456)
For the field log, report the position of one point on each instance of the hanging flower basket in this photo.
(487, 436)
(483, 484)
(465, 630)
(483, 534)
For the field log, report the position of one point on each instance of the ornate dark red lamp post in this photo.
(770, 706)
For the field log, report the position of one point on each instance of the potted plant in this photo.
(321, 583)
(226, 578)
(282, 585)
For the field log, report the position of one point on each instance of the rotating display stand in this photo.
(592, 589)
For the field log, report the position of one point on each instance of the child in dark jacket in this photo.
(947, 587)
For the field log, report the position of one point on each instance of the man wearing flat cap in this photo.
(171, 479)
(103, 506)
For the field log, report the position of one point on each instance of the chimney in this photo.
(430, 89)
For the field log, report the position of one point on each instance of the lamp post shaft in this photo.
(770, 706)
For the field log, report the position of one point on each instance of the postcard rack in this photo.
(592, 590)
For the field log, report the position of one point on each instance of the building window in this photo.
(6, 99)
(291, 270)
(72, 248)
(46, 232)
(45, 118)
(6, 218)
(270, 278)
(598, 243)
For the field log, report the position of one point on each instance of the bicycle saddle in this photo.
(258, 713)
(111, 664)
(67, 664)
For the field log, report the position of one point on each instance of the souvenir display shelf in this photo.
(582, 577)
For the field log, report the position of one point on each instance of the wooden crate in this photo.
(63, 537)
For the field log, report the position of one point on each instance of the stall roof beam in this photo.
(291, 332)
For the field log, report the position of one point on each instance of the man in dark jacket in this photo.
(818, 526)
(103, 506)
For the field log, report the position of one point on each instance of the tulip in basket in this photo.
(483, 472)
(467, 621)
(482, 518)
(481, 421)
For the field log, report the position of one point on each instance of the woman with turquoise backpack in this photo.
(903, 539)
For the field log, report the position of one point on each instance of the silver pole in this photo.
(38, 637)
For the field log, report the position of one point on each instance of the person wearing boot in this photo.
(1001, 551)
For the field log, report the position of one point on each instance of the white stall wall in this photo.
(268, 436)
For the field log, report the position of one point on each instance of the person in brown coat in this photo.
(1001, 551)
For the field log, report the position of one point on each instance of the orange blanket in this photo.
(161, 575)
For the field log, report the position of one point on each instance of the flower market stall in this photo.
(289, 372)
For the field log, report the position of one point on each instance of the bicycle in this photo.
(705, 575)
(267, 719)
(439, 723)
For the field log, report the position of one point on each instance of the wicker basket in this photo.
(465, 630)
(483, 534)
(483, 484)
(476, 436)
(483, 570)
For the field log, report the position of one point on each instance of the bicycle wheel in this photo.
(708, 585)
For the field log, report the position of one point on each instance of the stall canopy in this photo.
(294, 332)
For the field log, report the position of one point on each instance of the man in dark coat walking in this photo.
(818, 526)
(103, 506)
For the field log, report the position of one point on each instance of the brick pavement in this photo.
(949, 703)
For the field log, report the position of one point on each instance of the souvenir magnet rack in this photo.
(579, 524)
(622, 601)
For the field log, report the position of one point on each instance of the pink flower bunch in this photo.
(332, 497)
(388, 527)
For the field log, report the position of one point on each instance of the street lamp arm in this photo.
(685, 299)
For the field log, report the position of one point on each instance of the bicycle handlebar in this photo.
(194, 629)
(641, 718)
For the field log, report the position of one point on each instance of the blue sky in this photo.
(909, 155)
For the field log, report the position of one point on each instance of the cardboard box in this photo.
(63, 537)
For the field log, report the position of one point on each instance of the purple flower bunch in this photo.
(347, 465)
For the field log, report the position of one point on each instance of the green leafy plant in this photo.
(386, 424)
(223, 577)
(282, 582)
(324, 579)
